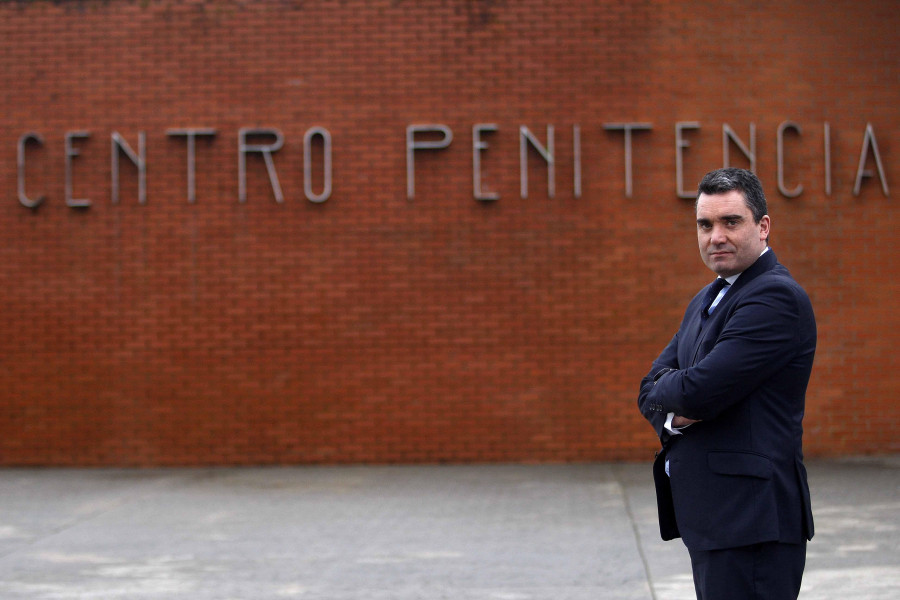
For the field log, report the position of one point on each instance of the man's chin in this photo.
(724, 271)
(720, 268)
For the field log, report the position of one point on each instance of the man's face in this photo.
(730, 241)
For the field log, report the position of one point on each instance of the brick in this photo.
(373, 328)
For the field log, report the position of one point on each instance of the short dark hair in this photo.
(725, 180)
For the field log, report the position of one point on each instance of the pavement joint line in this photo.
(634, 528)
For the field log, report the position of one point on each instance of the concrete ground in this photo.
(487, 532)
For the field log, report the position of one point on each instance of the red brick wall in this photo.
(371, 327)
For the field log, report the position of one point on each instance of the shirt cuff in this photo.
(669, 427)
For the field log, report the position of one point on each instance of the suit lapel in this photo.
(696, 332)
(764, 263)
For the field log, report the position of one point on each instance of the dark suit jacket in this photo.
(737, 477)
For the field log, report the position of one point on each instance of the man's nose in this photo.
(718, 236)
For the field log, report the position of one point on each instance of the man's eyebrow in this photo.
(704, 221)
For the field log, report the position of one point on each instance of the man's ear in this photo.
(764, 224)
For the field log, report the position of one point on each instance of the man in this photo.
(726, 398)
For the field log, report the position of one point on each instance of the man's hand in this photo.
(679, 422)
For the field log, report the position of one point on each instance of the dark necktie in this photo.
(717, 286)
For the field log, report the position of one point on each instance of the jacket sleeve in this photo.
(666, 362)
(759, 336)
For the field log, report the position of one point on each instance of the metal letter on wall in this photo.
(729, 134)
(627, 128)
(139, 159)
(266, 150)
(307, 164)
(72, 152)
(477, 146)
(826, 132)
(861, 171)
(412, 145)
(526, 138)
(680, 145)
(780, 156)
(576, 154)
(23, 197)
(191, 135)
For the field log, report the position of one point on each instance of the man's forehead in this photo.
(713, 206)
